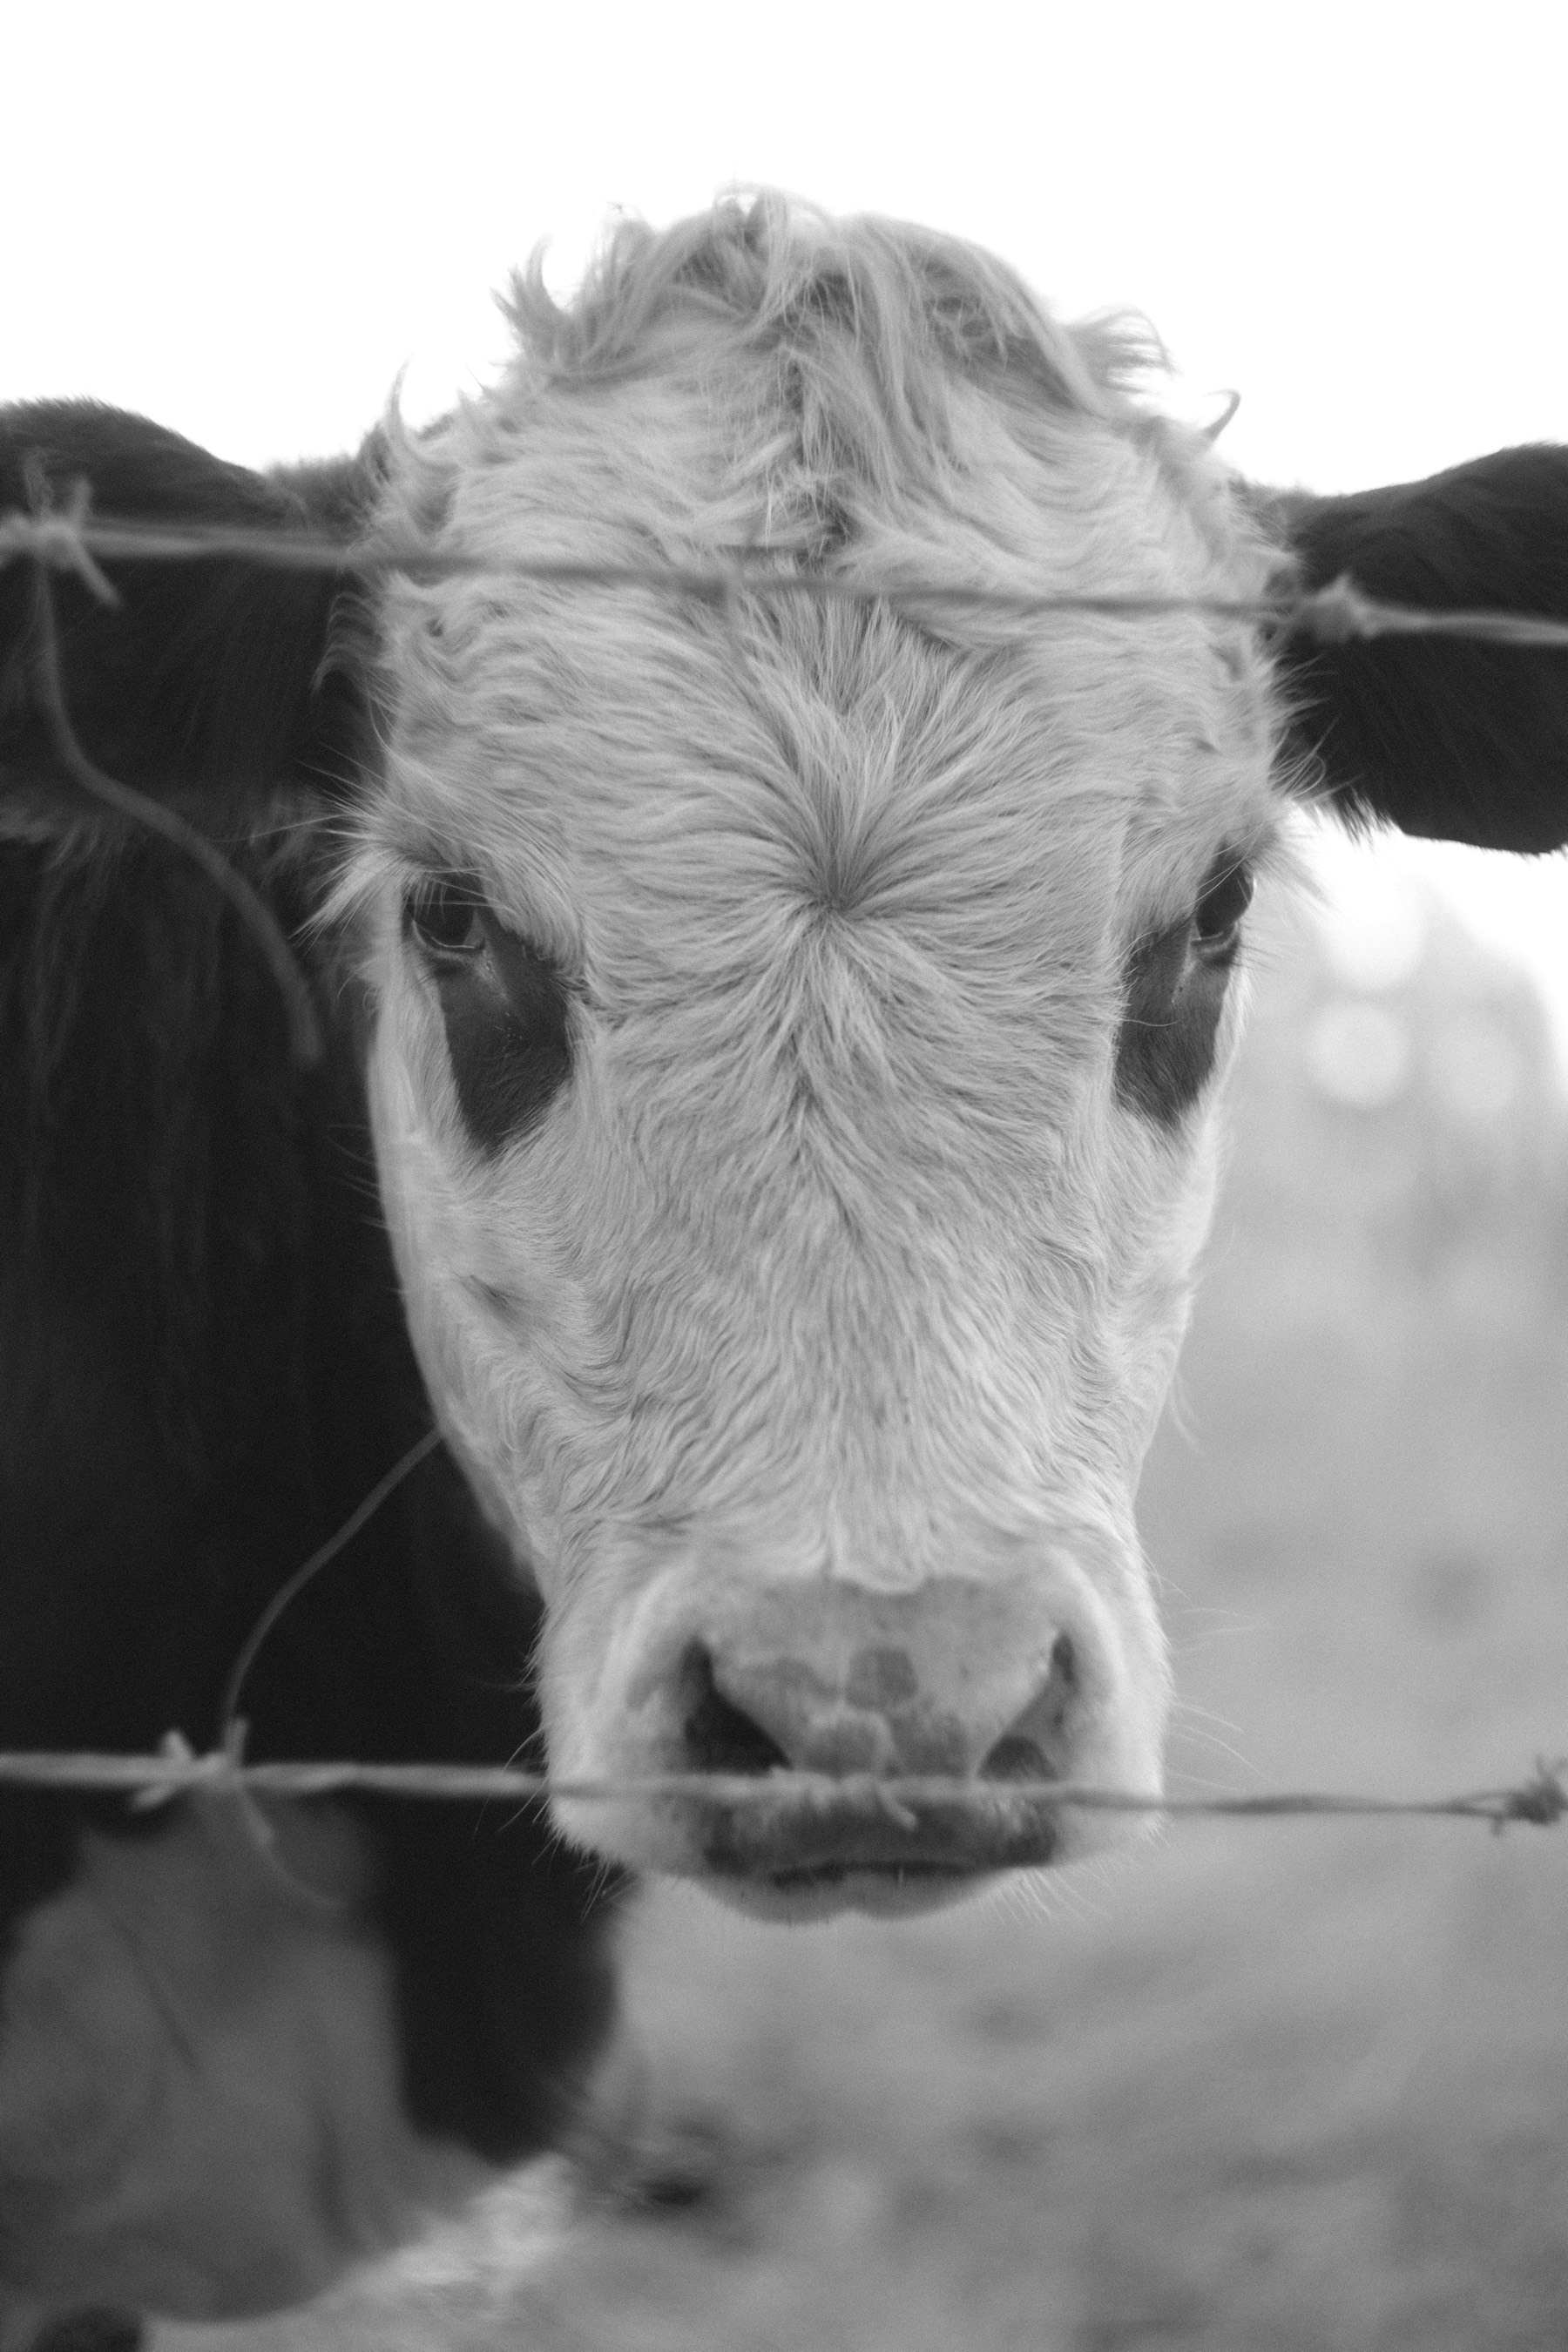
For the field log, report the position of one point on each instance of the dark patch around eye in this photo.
(1165, 1049)
(1175, 981)
(503, 1005)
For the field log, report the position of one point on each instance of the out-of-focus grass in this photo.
(1287, 2084)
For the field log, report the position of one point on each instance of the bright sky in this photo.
(246, 223)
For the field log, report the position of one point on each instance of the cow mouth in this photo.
(848, 1854)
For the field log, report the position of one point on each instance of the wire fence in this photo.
(1541, 1799)
(70, 540)
(75, 539)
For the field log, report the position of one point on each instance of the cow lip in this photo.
(809, 1876)
(817, 1848)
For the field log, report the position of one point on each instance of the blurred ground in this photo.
(1294, 2085)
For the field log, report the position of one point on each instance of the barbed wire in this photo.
(75, 539)
(1541, 1799)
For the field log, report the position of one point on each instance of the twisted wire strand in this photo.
(1541, 1799)
(75, 541)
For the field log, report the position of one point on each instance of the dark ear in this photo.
(1441, 735)
(209, 685)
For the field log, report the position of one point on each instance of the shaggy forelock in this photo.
(798, 294)
(843, 355)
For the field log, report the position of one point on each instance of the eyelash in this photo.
(1217, 919)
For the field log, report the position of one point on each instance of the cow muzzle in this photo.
(845, 1748)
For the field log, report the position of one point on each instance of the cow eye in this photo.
(1217, 924)
(1176, 978)
(504, 1008)
(445, 913)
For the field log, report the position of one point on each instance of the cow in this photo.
(766, 1126)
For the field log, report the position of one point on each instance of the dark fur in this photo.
(203, 1362)
(1457, 741)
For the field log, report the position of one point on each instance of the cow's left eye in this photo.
(1217, 924)
(445, 913)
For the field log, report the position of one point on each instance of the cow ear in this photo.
(214, 685)
(1442, 736)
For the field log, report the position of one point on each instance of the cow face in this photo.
(797, 1028)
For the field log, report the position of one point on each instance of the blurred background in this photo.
(1293, 2084)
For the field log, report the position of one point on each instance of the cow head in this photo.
(791, 1077)
(798, 1021)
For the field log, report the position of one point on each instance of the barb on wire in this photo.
(62, 534)
(1334, 614)
(1542, 1799)
(54, 539)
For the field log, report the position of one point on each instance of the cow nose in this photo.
(876, 1716)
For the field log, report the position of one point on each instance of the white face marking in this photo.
(836, 1288)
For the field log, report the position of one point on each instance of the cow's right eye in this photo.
(445, 913)
(504, 1007)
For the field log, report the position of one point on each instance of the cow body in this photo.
(782, 1038)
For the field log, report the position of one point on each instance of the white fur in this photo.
(837, 1259)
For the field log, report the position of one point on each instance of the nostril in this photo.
(720, 1737)
(1023, 1753)
(1012, 1758)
